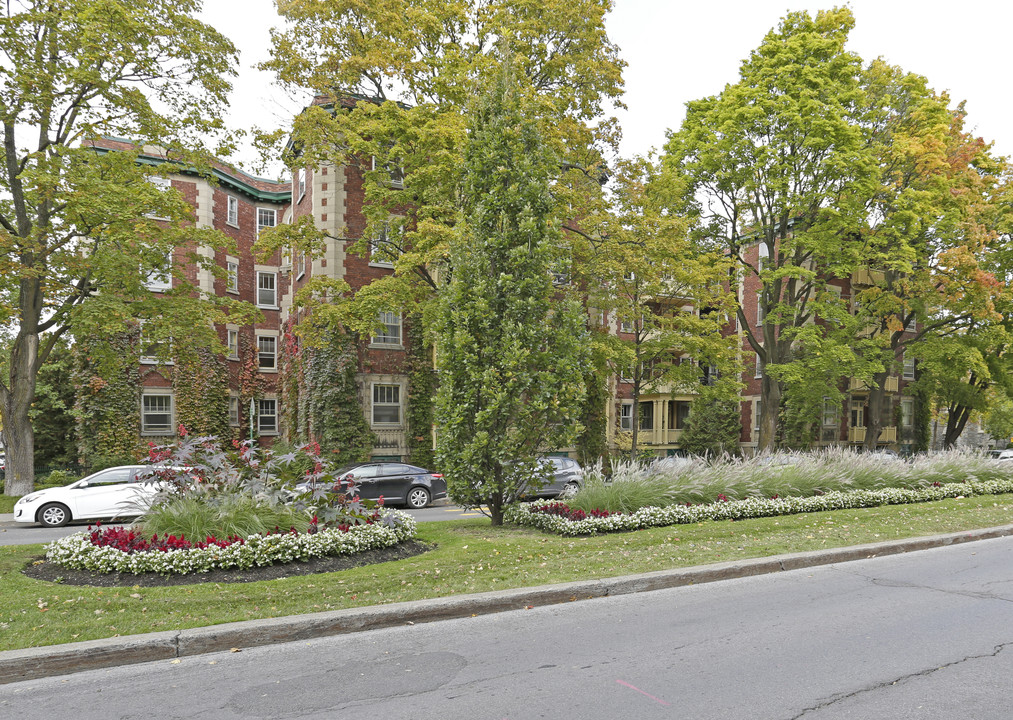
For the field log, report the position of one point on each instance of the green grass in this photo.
(7, 503)
(471, 556)
(239, 515)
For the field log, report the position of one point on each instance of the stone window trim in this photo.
(385, 396)
(267, 358)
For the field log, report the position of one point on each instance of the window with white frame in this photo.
(301, 183)
(164, 185)
(626, 416)
(160, 278)
(267, 289)
(232, 215)
(391, 332)
(758, 372)
(234, 410)
(386, 404)
(760, 315)
(232, 277)
(385, 245)
(156, 413)
(233, 344)
(909, 367)
(266, 217)
(627, 326)
(395, 173)
(267, 416)
(267, 352)
(757, 414)
(300, 263)
(153, 350)
(762, 256)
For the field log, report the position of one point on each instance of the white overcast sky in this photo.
(681, 50)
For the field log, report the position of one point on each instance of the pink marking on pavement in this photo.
(657, 700)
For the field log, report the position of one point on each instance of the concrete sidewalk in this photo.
(33, 663)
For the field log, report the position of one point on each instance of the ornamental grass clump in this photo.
(237, 515)
(680, 481)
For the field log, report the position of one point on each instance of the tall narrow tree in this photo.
(510, 353)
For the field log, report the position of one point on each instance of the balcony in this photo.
(390, 442)
(887, 434)
(865, 276)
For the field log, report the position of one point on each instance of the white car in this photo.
(108, 494)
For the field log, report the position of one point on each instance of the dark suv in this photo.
(398, 483)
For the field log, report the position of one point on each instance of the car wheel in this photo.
(569, 490)
(418, 498)
(53, 515)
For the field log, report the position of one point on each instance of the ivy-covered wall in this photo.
(201, 392)
(321, 399)
(107, 410)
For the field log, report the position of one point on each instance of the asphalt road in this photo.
(15, 533)
(921, 635)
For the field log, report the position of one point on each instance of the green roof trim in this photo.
(274, 196)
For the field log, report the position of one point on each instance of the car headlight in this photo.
(29, 498)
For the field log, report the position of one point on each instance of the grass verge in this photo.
(471, 556)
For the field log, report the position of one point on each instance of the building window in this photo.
(909, 367)
(757, 414)
(391, 333)
(710, 375)
(385, 245)
(857, 414)
(678, 414)
(907, 412)
(627, 327)
(160, 278)
(395, 174)
(232, 277)
(267, 290)
(760, 315)
(266, 217)
(626, 416)
(758, 372)
(646, 419)
(154, 351)
(267, 416)
(234, 410)
(300, 263)
(386, 404)
(232, 217)
(301, 183)
(156, 413)
(831, 413)
(163, 185)
(233, 344)
(267, 352)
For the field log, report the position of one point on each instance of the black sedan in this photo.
(396, 483)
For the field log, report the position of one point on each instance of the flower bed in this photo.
(80, 553)
(552, 516)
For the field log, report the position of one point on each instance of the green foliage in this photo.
(422, 388)
(200, 384)
(332, 414)
(108, 401)
(714, 424)
(52, 412)
(510, 356)
(592, 440)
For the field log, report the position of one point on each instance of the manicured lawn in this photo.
(471, 556)
(7, 503)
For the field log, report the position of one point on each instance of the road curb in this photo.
(35, 663)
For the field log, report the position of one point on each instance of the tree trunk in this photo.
(770, 406)
(20, 471)
(874, 418)
(956, 421)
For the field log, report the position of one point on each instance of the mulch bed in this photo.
(42, 569)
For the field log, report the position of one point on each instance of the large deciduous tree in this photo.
(775, 168)
(77, 230)
(510, 354)
(393, 80)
